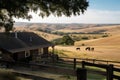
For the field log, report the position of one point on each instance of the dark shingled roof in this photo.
(24, 41)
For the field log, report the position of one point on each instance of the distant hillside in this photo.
(108, 41)
(92, 29)
(71, 28)
(47, 36)
(47, 30)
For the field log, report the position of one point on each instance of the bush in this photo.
(105, 35)
(76, 38)
(57, 41)
(66, 40)
(94, 37)
(83, 44)
(6, 75)
(85, 38)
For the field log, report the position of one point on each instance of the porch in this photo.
(45, 58)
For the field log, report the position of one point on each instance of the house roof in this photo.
(21, 41)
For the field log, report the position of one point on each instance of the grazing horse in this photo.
(92, 49)
(87, 48)
(77, 48)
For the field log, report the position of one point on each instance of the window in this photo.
(27, 53)
(40, 51)
(0, 54)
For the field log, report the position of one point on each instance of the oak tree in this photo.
(21, 9)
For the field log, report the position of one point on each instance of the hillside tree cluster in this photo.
(65, 40)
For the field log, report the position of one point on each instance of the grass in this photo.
(67, 77)
(92, 76)
(64, 65)
(60, 53)
(7, 75)
(97, 76)
(101, 52)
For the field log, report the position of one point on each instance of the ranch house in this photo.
(23, 46)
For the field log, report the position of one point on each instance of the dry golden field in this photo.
(100, 52)
(108, 29)
(105, 48)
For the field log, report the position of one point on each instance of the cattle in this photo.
(77, 48)
(92, 49)
(89, 48)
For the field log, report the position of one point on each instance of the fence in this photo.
(95, 61)
(109, 66)
(109, 69)
(40, 67)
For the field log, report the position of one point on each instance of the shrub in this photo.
(66, 40)
(83, 44)
(94, 37)
(6, 75)
(85, 38)
(105, 35)
(57, 41)
(76, 38)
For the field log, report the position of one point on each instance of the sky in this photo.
(99, 11)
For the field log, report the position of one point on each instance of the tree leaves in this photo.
(21, 8)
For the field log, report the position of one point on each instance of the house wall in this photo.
(45, 50)
(19, 56)
(5, 55)
(40, 51)
(37, 53)
(34, 52)
(0, 54)
(22, 56)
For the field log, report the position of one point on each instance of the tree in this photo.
(21, 9)
(67, 40)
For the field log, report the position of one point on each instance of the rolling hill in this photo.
(70, 28)
(45, 30)
(108, 41)
(105, 47)
(93, 29)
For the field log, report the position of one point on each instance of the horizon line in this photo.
(67, 23)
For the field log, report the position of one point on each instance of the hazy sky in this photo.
(99, 11)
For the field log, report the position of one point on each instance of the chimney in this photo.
(16, 35)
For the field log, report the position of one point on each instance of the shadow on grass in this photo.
(91, 76)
